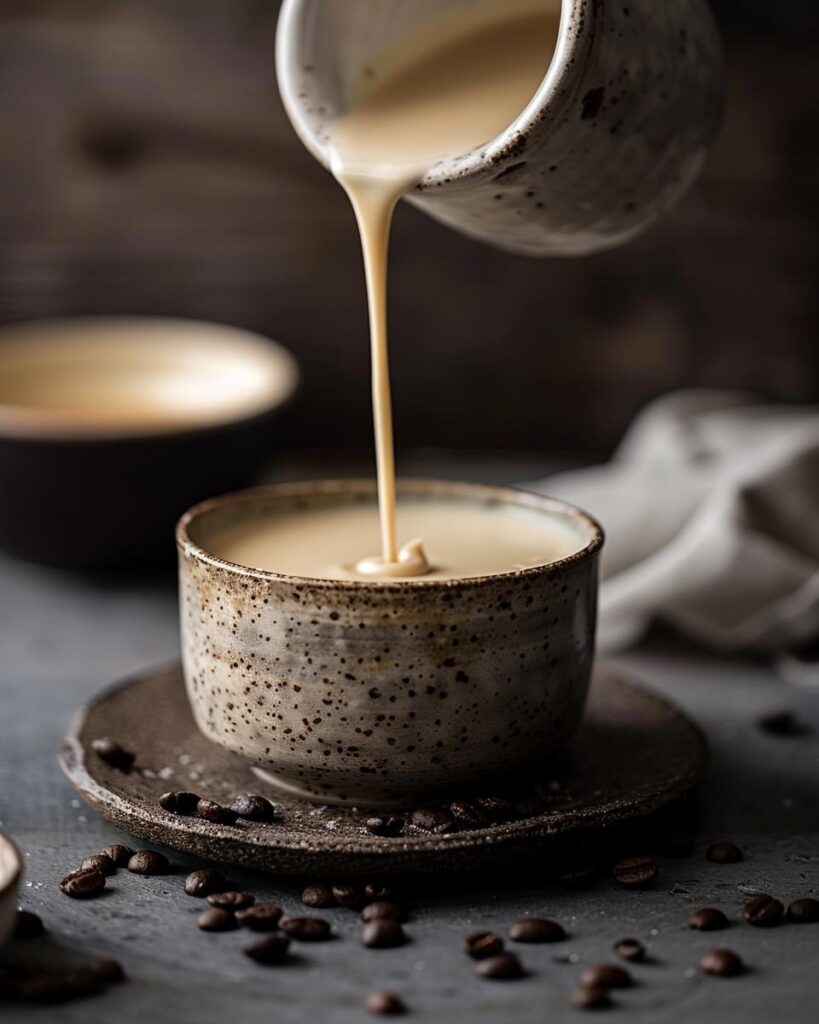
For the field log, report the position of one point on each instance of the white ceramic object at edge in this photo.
(11, 870)
(617, 132)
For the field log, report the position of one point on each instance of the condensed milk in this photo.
(444, 90)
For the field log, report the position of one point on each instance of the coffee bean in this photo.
(318, 896)
(635, 872)
(503, 967)
(113, 754)
(270, 950)
(209, 810)
(216, 920)
(28, 925)
(83, 981)
(763, 911)
(482, 945)
(305, 929)
(347, 896)
(204, 882)
(383, 910)
(44, 987)
(384, 1004)
(119, 854)
(252, 807)
(606, 976)
(387, 827)
(722, 963)
(376, 891)
(781, 723)
(468, 815)
(804, 911)
(231, 900)
(586, 998)
(496, 808)
(383, 933)
(263, 917)
(536, 929)
(432, 820)
(724, 853)
(708, 920)
(630, 949)
(107, 970)
(83, 885)
(99, 862)
(180, 802)
(149, 862)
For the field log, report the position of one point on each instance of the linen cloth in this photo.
(711, 511)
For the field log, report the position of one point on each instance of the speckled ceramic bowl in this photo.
(11, 870)
(381, 693)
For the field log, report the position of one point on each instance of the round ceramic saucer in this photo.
(634, 758)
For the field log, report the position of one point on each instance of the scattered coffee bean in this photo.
(708, 920)
(587, 998)
(205, 882)
(432, 820)
(149, 862)
(270, 950)
(119, 854)
(44, 987)
(387, 827)
(377, 891)
(107, 970)
(305, 929)
(606, 976)
(263, 917)
(722, 963)
(482, 945)
(216, 920)
(496, 808)
(231, 900)
(383, 933)
(781, 723)
(467, 814)
(28, 925)
(384, 1004)
(804, 911)
(347, 896)
(763, 911)
(536, 929)
(630, 949)
(113, 754)
(318, 896)
(724, 853)
(99, 862)
(503, 967)
(578, 878)
(252, 807)
(83, 885)
(635, 872)
(209, 810)
(383, 910)
(180, 802)
(83, 981)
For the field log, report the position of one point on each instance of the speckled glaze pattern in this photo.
(618, 131)
(11, 869)
(381, 693)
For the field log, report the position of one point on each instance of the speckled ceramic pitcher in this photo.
(616, 133)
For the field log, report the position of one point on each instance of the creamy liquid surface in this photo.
(444, 91)
(461, 539)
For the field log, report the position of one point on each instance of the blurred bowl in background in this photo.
(11, 870)
(111, 427)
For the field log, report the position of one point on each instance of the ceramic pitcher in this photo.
(617, 131)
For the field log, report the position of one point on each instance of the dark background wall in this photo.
(147, 166)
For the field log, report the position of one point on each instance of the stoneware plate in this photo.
(635, 757)
(11, 869)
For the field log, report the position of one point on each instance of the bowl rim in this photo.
(9, 882)
(19, 424)
(312, 489)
